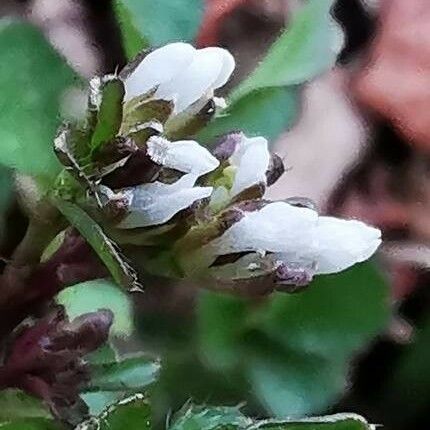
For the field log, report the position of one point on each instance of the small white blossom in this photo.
(181, 73)
(248, 165)
(298, 236)
(250, 160)
(156, 203)
(185, 155)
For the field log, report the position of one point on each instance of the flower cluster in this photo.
(147, 178)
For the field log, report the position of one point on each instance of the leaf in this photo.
(33, 78)
(31, 424)
(307, 48)
(295, 349)
(99, 294)
(266, 112)
(408, 380)
(266, 102)
(133, 40)
(163, 21)
(111, 92)
(6, 187)
(130, 374)
(6, 184)
(131, 413)
(105, 248)
(330, 422)
(209, 418)
(15, 404)
(216, 418)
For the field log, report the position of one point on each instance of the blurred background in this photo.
(359, 147)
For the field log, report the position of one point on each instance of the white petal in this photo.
(251, 158)
(156, 203)
(159, 67)
(194, 81)
(228, 66)
(278, 227)
(343, 243)
(185, 155)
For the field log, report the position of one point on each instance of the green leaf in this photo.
(131, 413)
(112, 380)
(266, 112)
(330, 422)
(307, 48)
(295, 349)
(31, 424)
(130, 374)
(217, 418)
(105, 248)
(99, 294)
(33, 78)
(408, 380)
(6, 187)
(133, 40)
(6, 184)
(266, 103)
(104, 355)
(162, 21)
(209, 418)
(109, 112)
(15, 404)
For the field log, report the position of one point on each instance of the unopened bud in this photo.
(276, 169)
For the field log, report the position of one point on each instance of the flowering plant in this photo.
(156, 190)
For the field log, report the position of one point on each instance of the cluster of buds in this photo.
(46, 358)
(131, 167)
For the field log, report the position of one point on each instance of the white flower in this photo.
(156, 203)
(181, 73)
(248, 165)
(250, 160)
(186, 155)
(299, 237)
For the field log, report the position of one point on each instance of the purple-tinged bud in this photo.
(276, 169)
(85, 333)
(291, 278)
(225, 146)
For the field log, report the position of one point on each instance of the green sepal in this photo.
(105, 108)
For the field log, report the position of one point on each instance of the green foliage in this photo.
(266, 102)
(112, 380)
(131, 413)
(16, 404)
(130, 374)
(19, 411)
(135, 413)
(295, 349)
(408, 382)
(209, 418)
(99, 294)
(32, 81)
(132, 39)
(260, 113)
(121, 272)
(159, 22)
(31, 424)
(109, 115)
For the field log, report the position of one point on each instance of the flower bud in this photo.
(276, 169)
(180, 73)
